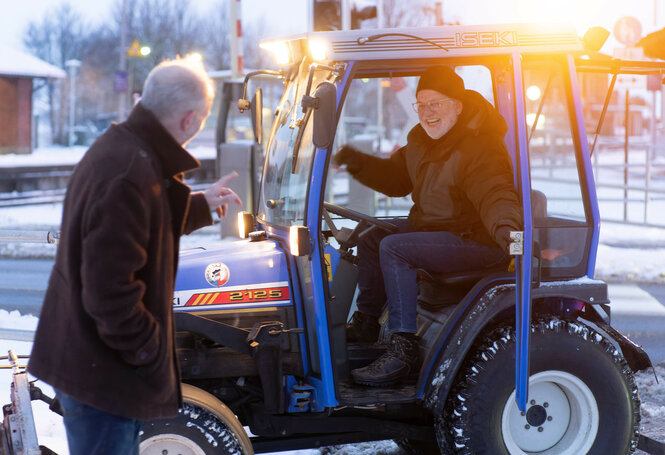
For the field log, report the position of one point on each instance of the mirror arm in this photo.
(296, 146)
(307, 100)
(243, 103)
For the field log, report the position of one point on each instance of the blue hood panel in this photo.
(240, 274)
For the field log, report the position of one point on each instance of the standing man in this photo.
(458, 171)
(105, 339)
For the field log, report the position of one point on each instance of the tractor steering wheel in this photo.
(348, 238)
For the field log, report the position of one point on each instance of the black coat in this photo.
(105, 333)
(461, 182)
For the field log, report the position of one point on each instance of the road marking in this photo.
(630, 299)
(16, 334)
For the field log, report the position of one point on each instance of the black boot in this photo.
(363, 328)
(399, 362)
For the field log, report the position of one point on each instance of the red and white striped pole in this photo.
(236, 39)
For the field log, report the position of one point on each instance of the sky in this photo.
(16, 15)
(280, 17)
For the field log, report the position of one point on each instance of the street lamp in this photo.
(134, 52)
(72, 66)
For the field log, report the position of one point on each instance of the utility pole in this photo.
(346, 15)
(235, 9)
(437, 11)
(122, 95)
(381, 18)
(72, 65)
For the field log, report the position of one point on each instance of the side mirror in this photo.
(325, 115)
(257, 115)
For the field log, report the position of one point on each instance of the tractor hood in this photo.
(240, 274)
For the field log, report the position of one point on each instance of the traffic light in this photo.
(654, 44)
(327, 15)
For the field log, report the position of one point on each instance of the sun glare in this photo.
(580, 13)
(533, 93)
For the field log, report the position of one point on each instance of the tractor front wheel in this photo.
(204, 426)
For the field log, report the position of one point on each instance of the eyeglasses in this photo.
(435, 105)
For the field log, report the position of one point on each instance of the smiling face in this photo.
(437, 112)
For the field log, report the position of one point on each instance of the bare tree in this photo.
(97, 99)
(58, 36)
(217, 31)
(399, 13)
(169, 27)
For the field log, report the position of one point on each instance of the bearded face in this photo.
(437, 112)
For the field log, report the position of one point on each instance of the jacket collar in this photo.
(172, 157)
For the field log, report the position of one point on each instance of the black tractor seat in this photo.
(438, 290)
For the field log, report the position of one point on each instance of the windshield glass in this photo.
(283, 197)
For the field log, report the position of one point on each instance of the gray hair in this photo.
(177, 86)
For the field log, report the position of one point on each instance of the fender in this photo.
(635, 356)
(493, 299)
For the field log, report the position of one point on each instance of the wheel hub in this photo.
(536, 415)
(562, 417)
(170, 444)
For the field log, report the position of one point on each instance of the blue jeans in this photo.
(387, 266)
(94, 432)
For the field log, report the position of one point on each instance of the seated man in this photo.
(458, 171)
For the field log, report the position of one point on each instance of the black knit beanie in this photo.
(444, 80)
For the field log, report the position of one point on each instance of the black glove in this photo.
(502, 237)
(349, 156)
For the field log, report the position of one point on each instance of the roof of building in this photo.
(20, 64)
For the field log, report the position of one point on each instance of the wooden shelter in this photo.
(17, 73)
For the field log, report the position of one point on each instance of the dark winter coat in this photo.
(105, 333)
(461, 183)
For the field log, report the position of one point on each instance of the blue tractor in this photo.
(514, 361)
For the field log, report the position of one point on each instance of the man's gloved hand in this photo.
(350, 157)
(502, 237)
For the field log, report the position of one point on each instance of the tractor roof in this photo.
(432, 42)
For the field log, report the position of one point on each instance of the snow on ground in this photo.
(652, 394)
(50, 429)
(58, 155)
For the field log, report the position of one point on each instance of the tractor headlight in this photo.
(299, 240)
(246, 224)
(280, 50)
(318, 49)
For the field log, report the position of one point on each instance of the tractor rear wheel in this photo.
(582, 396)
